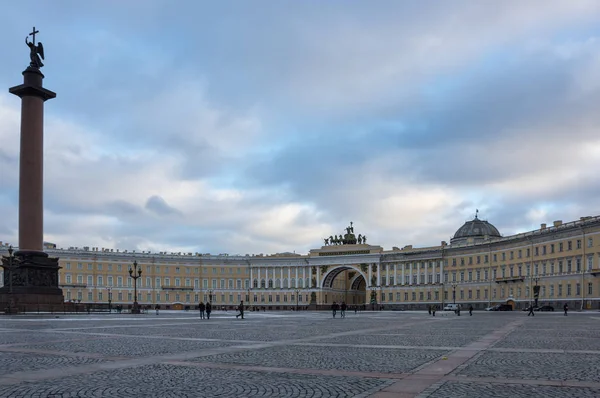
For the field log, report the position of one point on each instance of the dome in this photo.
(475, 229)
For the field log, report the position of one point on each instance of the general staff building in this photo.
(478, 267)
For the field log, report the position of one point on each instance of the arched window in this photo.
(285, 283)
(293, 282)
(307, 283)
(255, 283)
(262, 283)
(270, 283)
(277, 283)
(301, 283)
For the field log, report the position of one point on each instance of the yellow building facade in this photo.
(478, 267)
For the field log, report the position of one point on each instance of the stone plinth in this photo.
(33, 283)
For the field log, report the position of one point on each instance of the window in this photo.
(520, 253)
(560, 247)
(578, 289)
(79, 266)
(90, 266)
(485, 258)
(537, 251)
(177, 270)
(68, 266)
(214, 283)
(570, 245)
(579, 243)
(99, 267)
(578, 264)
(67, 278)
(495, 258)
(560, 290)
(590, 243)
(90, 280)
(100, 280)
(109, 281)
(544, 249)
(552, 248)
(590, 288)
(90, 296)
(568, 289)
(512, 255)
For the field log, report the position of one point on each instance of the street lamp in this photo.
(135, 274)
(210, 296)
(536, 290)
(297, 294)
(454, 293)
(11, 267)
(109, 299)
(373, 298)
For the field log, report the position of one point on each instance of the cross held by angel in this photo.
(36, 51)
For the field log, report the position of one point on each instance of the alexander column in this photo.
(31, 277)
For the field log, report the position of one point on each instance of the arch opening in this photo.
(344, 283)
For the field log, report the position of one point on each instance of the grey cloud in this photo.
(157, 205)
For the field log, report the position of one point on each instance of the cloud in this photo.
(158, 206)
(264, 127)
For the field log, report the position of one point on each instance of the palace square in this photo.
(301, 354)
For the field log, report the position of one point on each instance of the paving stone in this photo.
(126, 346)
(497, 390)
(358, 359)
(534, 365)
(182, 381)
(11, 362)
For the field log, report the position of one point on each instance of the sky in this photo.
(262, 127)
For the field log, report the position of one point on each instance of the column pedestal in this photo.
(34, 283)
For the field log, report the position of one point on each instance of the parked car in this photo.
(500, 307)
(545, 308)
(451, 307)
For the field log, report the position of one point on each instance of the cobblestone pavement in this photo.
(369, 354)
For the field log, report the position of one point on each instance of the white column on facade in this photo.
(318, 277)
(441, 271)
(379, 275)
(251, 278)
(410, 274)
(290, 276)
(402, 281)
(296, 283)
(369, 274)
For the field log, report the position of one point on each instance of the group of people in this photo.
(205, 310)
(341, 307)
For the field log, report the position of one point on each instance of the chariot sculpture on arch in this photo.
(347, 238)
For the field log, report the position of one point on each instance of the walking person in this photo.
(157, 307)
(531, 311)
(241, 310)
(566, 308)
(471, 310)
(334, 308)
(429, 308)
(343, 309)
(208, 310)
(202, 308)
(433, 309)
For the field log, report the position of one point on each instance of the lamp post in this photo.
(210, 297)
(454, 293)
(135, 274)
(11, 268)
(297, 296)
(109, 299)
(373, 298)
(536, 290)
